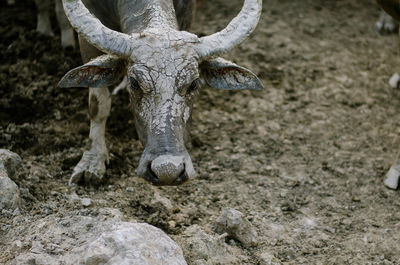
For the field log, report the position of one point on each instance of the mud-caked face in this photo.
(163, 71)
(163, 83)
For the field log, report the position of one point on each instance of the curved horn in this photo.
(237, 31)
(103, 38)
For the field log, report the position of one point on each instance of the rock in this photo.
(10, 199)
(101, 239)
(392, 178)
(110, 213)
(130, 189)
(35, 259)
(236, 226)
(9, 161)
(61, 240)
(394, 80)
(172, 224)
(268, 259)
(199, 262)
(161, 203)
(72, 198)
(133, 243)
(86, 202)
(9, 194)
(205, 249)
(37, 173)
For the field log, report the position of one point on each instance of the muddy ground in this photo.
(304, 159)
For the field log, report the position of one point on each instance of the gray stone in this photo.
(33, 259)
(9, 161)
(394, 81)
(72, 198)
(9, 194)
(268, 259)
(206, 249)
(199, 262)
(10, 199)
(393, 177)
(86, 202)
(73, 239)
(235, 225)
(133, 243)
(161, 203)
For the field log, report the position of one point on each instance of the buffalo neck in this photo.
(134, 16)
(138, 15)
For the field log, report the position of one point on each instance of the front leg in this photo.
(91, 168)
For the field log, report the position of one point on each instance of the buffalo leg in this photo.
(67, 33)
(43, 17)
(91, 168)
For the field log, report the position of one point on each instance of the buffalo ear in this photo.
(222, 74)
(103, 71)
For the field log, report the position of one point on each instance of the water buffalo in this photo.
(166, 67)
(44, 7)
(392, 7)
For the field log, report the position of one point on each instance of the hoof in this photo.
(90, 170)
(386, 25)
(394, 81)
(392, 178)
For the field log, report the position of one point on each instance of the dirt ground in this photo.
(304, 159)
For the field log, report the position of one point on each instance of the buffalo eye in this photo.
(195, 85)
(134, 84)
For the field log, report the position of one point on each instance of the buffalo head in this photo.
(166, 69)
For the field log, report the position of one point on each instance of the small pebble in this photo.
(130, 189)
(86, 202)
(394, 81)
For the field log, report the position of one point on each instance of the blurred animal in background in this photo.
(392, 7)
(389, 23)
(43, 26)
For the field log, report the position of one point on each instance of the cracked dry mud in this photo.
(304, 160)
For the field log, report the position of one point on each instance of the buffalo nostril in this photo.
(151, 176)
(183, 177)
